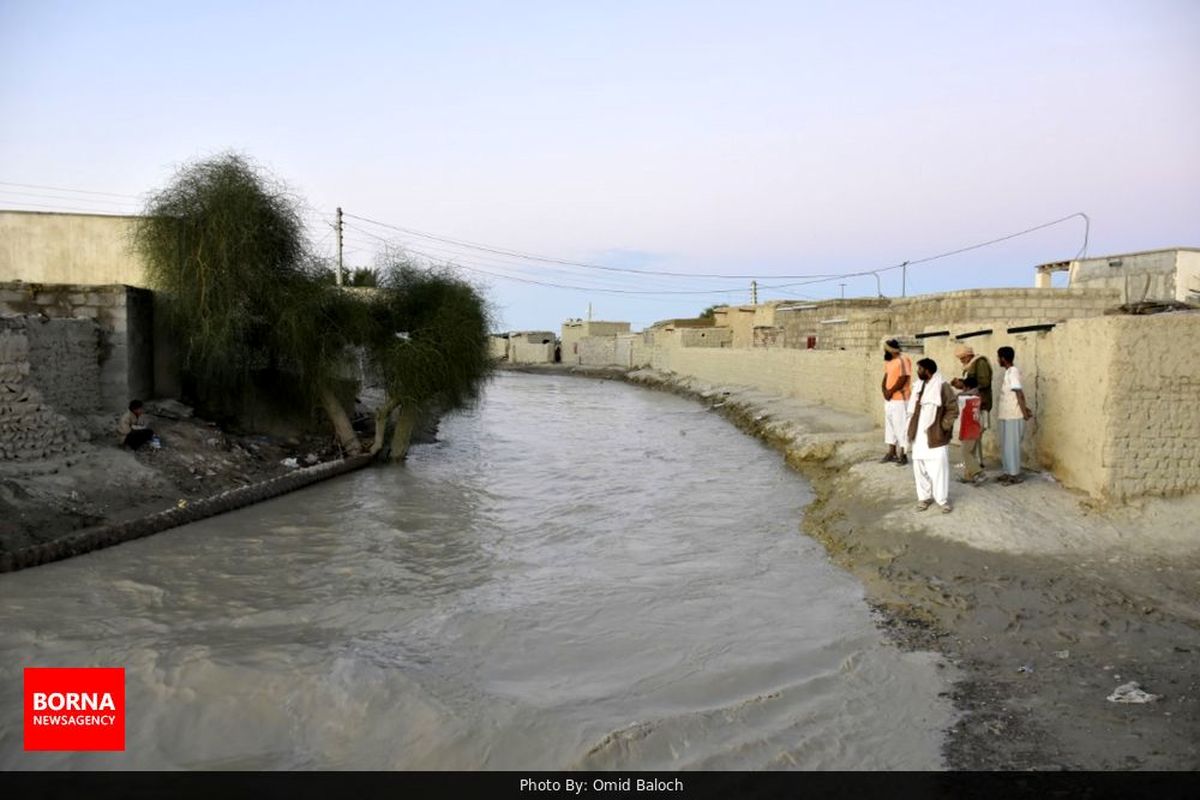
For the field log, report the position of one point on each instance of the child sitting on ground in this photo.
(134, 430)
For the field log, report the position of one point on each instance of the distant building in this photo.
(498, 346)
(1151, 275)
(531, 347)
(575, 330)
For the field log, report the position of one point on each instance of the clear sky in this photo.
(767, 138)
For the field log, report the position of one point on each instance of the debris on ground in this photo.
(1132, 693)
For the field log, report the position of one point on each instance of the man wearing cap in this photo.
(897, 387)
(976, 367)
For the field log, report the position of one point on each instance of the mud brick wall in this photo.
(64, 363)
(860, 324)
(30, 428)
(1114, 397)
(125, 316)
(705, 337)
(1153, 419)
(597, 351)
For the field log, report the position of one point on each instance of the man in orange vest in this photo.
(896, 387)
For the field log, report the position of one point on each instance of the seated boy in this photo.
(133, 430)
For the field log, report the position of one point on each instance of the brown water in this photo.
(579, 575)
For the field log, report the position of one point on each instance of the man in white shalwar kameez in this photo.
(931, 403)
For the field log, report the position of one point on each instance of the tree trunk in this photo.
(406, 420)
(383, 420)
(346, 436)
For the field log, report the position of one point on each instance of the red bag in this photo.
(969, 427)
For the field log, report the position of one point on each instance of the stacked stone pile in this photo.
(29, 428)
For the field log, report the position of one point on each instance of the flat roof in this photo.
(1122, 255)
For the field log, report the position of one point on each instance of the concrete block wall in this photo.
(1113, 397)
(835, 378)
(125, 316)
(913, 314)
(865, 323)
(705, 337)
(30, 429)
(523, 351)
(64, 363)
(1153, 430)
(598, 351)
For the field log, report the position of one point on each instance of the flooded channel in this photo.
(581, 574)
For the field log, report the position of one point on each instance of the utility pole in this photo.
(753, 293)
(843, 290)
(589, 312)
(339, 245)
(904, 279)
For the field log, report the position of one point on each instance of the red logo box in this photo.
(74, 708)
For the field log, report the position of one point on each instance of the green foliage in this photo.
(430, 337)
(224, 247)
(709, 312)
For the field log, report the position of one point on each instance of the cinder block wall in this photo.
(30, 428)
(1153, 420)
(125, 316)
(597, 351)
(1113, 396)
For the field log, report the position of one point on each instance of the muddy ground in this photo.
(103, 482)
(1045, 600)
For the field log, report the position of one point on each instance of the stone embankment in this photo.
(1046, 599)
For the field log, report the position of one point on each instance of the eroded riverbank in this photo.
(1047, 601)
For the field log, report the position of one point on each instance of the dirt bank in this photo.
(1047, 601)
(101, 483)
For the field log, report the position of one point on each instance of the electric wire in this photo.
(551, 260)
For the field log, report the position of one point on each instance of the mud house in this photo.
(576, 330)
(498, 346)
(532, 347)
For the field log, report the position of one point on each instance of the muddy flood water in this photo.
(581, 574)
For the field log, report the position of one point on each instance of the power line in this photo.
(459, 260)
(435, 259)
(948, 253)
(551, 260)
(62, 189)
(43, 196)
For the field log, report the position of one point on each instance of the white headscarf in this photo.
(932, 394)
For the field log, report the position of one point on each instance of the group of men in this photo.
(921, 409)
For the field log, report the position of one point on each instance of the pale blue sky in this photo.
(749, 137)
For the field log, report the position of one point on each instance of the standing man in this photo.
(931, 414)
(1012, 413)
(897, 387)
(976, 367)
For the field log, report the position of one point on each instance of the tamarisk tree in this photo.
(429, 334)
(224, 247)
